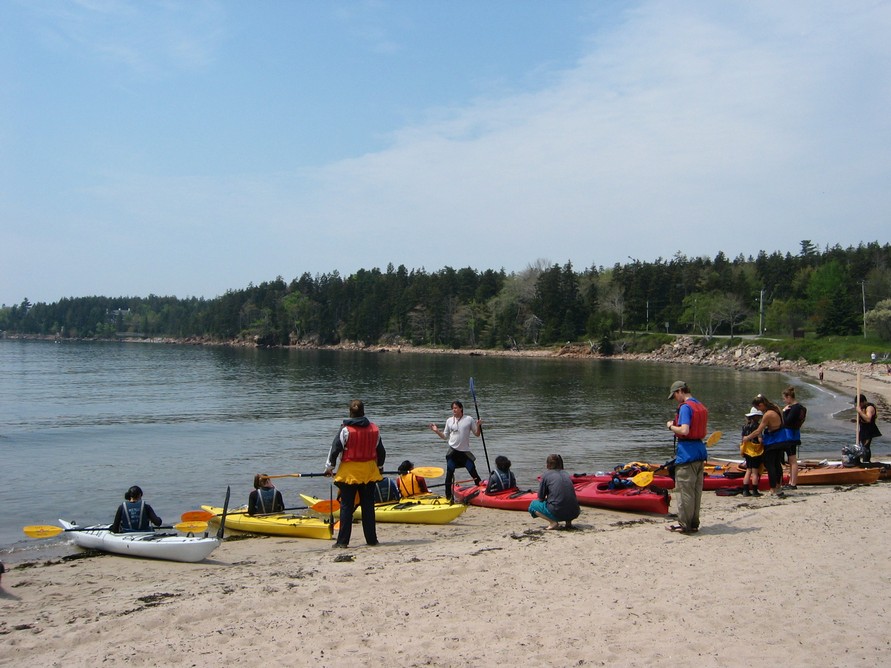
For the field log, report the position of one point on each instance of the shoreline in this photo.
(489, 585)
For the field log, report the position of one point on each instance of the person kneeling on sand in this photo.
(556, 500)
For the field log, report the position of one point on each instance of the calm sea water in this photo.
(81, 422)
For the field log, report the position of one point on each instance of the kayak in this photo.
(510, 499)
(829, 474)
(832, 475)
(710, 482)
(633, 499)
(148, 544)
(280, 524)
(432, 509)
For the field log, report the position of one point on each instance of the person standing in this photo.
(265, 498)
(689, 427)
(774, 437)
(794, 415)
(557, 501)
(134, 514)
(359, 445)
(753, 453)
(457, 431)
(867, 415)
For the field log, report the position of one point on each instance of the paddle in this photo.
(222, 529)
(205, 515)
(643, 478)
(714, 438)
(422, 471)
(482, 436)
(48, 530)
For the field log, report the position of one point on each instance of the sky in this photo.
(191, 148)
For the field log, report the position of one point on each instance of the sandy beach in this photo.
(799, 581)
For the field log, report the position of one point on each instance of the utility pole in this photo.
(863, 296)
(761, 314)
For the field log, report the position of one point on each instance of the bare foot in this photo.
(552, 526)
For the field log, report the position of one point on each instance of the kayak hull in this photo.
(422, 510)
(149, 544)
(511, 499)
(632, 499)
(281, 524)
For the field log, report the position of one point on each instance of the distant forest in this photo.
(826, 292)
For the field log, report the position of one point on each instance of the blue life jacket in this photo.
(134, 518)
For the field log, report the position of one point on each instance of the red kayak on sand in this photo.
(595, 494)
(511, 499)
(709, 483)
(633, 499)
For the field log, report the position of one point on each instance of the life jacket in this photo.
(133, 518)
(385, 490)
(266, 497)
(362, 444)
(698, 420)
(410, 484)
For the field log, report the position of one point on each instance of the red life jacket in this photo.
(698, 421)
(362, 444)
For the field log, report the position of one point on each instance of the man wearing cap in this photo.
(688, 427)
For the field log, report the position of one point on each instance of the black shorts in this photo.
(753, 462)
(792, 448)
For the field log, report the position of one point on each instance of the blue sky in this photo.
(189, 148)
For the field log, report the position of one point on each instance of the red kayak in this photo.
(510, 499)
(635, 499)
(709, 483)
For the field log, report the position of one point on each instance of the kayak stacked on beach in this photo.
(149, 544)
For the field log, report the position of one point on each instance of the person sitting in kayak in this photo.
(265, 498)
(410, 484)
(134, 514)
(502, 477)
(386, 491)
(557, 501)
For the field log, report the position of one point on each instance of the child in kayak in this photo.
(502, 477)
(134, 514)
(408, 483)
(265, 498)
(556, 501)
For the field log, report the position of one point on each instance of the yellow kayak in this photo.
(281, 524)
(429, 509)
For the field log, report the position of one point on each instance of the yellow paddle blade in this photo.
(643, 478)
(714, 438)
(42, 531)
(428, 471)
(191, 527)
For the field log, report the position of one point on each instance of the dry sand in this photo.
(800, 581)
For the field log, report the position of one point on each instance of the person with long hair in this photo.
(794, 415)
(774, 437)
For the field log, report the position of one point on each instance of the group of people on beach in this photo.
(770, 438)
(362, 455)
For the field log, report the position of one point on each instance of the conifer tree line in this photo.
(823, 291)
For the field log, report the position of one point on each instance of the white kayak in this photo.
(149, 544)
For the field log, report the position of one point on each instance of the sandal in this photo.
(677, 528)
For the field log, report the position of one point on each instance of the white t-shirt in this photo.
(458, 432)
